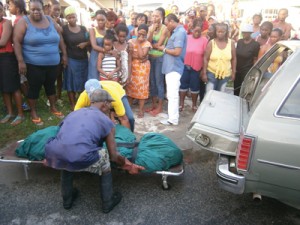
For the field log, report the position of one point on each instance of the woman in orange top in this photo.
(138, 86)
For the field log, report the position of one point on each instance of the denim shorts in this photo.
(190, 79)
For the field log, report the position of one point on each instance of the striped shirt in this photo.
(109, 63)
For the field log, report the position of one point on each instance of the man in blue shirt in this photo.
(173, 65)
(78, 147)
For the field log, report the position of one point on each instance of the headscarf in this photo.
(70, 10)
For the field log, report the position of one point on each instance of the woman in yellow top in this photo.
(120, 103)
(219, 61)
(96, 38)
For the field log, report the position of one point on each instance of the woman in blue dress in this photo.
(96, 38)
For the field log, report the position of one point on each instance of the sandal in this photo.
(38, 121)
(17, 120)
(58, 114)
(6, 118)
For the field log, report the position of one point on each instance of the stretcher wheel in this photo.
(165, 185)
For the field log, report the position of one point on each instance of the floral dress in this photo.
(138, 88)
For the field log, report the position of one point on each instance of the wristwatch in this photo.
(164, 51)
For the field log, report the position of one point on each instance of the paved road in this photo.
(194, 198)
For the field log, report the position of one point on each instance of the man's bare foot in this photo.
(155, 112)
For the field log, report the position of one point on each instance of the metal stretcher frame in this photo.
(9, 156)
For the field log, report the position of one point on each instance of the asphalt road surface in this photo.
(194, 197)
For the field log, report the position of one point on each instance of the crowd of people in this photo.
(110, 64)
(156, 56)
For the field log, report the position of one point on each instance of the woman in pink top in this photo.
(193, 61)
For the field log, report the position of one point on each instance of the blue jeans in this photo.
(157, 84)
(215, 83)
(128, 112)
(190, 79)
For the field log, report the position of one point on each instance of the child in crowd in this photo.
(138, 86)
(108, 65)
(265, 31)
(122, 47)
(141, 18)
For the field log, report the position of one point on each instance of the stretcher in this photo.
(7, 155)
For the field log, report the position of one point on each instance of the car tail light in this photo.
(244, 152)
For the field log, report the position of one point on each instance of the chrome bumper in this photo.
(227, 180)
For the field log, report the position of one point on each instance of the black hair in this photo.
(110, 15)
(278, 30)
(20, 4)
(40, 1)
(121, 27)
(143, 26)
(162, 13)
(173, 17)
(197, 22)
(259, 15)
(101, 12)
(214, 31)
(222, 25)
(110, 35)
(267, 24)
(141, 15)
(53, 2)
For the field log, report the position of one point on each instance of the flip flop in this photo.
(17, 120)
(38, 121)
(6, 118)
(58, 114)
(181, 108)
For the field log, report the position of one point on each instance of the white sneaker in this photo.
(168, 123)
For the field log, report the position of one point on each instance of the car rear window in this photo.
(291, 105)
(265, 74)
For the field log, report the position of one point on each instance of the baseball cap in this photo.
(91, 85)
(100, 95)
(247, 28)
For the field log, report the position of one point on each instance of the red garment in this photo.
(188, 31)
(17, 20)
(8, 47)
(195, 50)
(205, 25)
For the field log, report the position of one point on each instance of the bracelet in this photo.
(165, 49)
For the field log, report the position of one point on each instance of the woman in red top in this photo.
(193, 63)
(9, 76)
